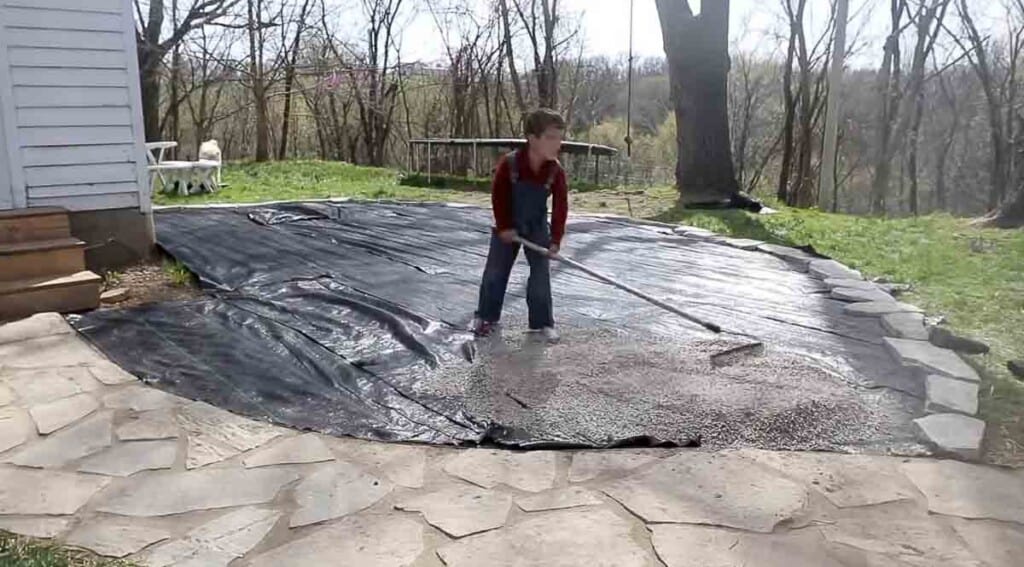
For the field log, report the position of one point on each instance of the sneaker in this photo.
(550, 334)
(483, 328)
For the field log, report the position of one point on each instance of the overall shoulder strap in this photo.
(551, 176)
(513, 166)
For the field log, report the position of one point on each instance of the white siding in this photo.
(70, 96)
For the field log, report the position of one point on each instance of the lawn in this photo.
(973, 277)
(25, 552)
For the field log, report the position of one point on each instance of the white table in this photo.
(160, 148)
(180, 174)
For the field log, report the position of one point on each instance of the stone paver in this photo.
(215, 435)
(798, 258)
(594, 537)
(129, 458)
(558, 499)
(533, 472)
(918, 538)
(15, 428)
(931, 357)
(696, 501)
(51, 493)
(833, 283)
(45, 528)
(702, 546)
(401, 464)
(217, 542)
(950, 395)
(51, 416)
(953, 433)
(905, 326)
(34, 327)
(852, 294)
(969, 491)
(826, 269)
(943, 337)
(140, 398)
(149, 426)
(115, 538)
(592, 464)
(49, 384)
(460, 510)
(49, 352)
(175, 493)
(336, 490)
(847, 481)
(878, 308)
(715, 489)
(89, 436)
(742, 243)
(997, 544)
(110, 374)
(308, 448)
(366, 541)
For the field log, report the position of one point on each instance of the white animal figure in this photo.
(210, 151)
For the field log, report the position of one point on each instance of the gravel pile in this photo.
(596, 386)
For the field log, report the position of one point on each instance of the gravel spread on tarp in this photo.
(605, 387)
(350, 319)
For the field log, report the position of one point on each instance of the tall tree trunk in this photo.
(889, 96)
(151, 54)
(697, 51)
(915, 132)
(517, 85)
(796, 19)
(289, 81)
(259, 87)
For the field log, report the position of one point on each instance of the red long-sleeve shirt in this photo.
(501, 193)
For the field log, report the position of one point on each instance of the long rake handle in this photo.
(627, 288)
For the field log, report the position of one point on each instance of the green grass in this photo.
(178, 273)
(25, 552)
(974, 277)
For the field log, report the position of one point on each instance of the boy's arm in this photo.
(501, 197)
(560, 207)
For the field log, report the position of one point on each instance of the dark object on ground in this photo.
(943, 337)
(1016, 367)
(735, 201)
(351, 318)
(733, 355)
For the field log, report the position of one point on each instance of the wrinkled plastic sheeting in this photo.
(324, 316)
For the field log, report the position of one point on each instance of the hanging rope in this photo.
(629, 89)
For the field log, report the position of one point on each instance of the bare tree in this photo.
(289, 77)
(153, 47)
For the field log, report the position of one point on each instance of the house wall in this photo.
(71, 105)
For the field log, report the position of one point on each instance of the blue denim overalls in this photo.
(530, 206)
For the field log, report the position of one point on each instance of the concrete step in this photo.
(79, 291)
(36, 223)
(54, 257)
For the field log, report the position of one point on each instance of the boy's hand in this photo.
(553, 251)
(508, 236)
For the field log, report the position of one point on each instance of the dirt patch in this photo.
(146, 283)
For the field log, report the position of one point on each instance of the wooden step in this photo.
(76, 292)
(36, 223)
(55, 257)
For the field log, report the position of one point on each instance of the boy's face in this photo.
(548, 143)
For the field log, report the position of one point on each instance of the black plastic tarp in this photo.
(326, 315)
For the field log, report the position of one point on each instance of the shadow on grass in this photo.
(730, 222)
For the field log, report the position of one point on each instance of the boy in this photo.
(522, 183)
